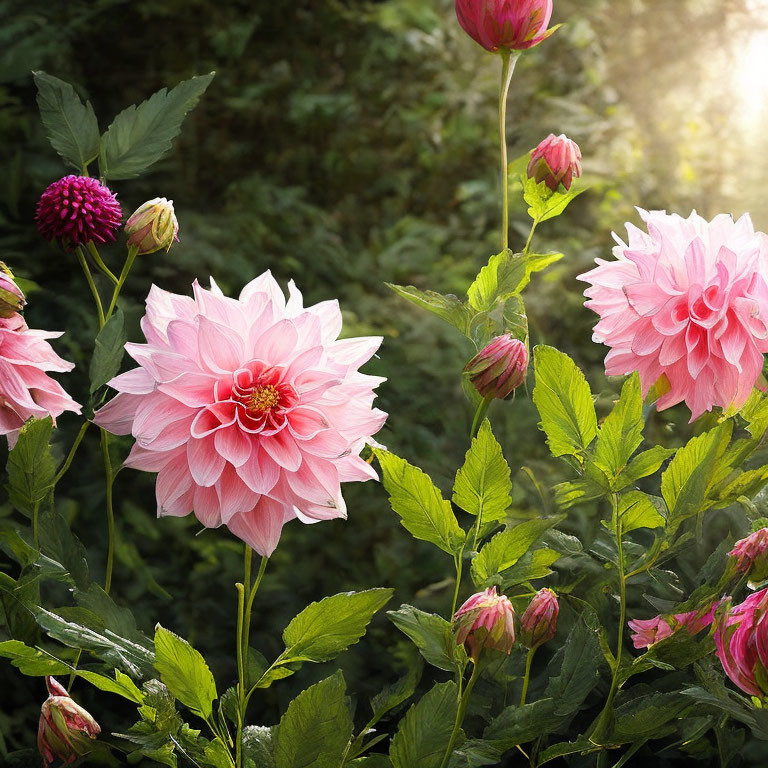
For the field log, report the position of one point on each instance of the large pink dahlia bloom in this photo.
(251, 410)
(687, 300)
(26, 389)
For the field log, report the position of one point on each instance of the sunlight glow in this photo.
(751, 72)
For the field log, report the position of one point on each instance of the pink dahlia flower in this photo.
(648, 632)
(251, 410)
(741, 643)
(77, 209)
(750, 555)
(539, 621)
(687, 301)
(512, 24)
(557, 160)
(26, 390)
(486, 620)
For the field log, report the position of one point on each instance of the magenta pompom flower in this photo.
(512, 24)
(76, 210)
(688, 301)
(557, 160)
(251, 410)
(486, 620)
(26, 390)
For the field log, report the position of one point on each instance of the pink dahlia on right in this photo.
(252, 411)
(687, 301)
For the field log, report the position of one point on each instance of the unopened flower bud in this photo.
(750, 555)
(65, 730)
(512, 24)
(500, 368)
(153, 226)
(485, 621)
(11, 296)
(539, 621)
(557, 160)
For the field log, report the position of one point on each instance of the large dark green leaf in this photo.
(449, 308)
(31, 468)
(108, 351)
(30, 661)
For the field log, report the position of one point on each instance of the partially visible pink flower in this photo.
(741, 643)
(539, 621)
(11, 296)
(557, 160)
(512, 24)
(486, 620)
(688, 301)
(26, 390)
(78, 209)
(65, 729)
(750, 555)
(251, 410)
(648, 632)
(499, 368)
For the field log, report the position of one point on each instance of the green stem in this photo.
(459, 563)
(249, 606)
(508, 61)
(530, 237)
(36, 525)
(460, 714)
(71, 455)
(527, 678)
(98, 261)
(91, 285)
(110, 510)
(132, 251)
(240, 675)
(480, 413)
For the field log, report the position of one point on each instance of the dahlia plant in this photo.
(253, 412)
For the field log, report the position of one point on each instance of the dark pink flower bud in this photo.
(486, 620)
(65, 728)
(512, 24)
(750, 555)
(557, 160)
(741, 643)
(499, 368)
(11, 296)
(76, 210)
(539, 621)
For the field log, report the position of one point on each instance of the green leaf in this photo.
(59, 543)
(544, 204)
(432, 635)
(122, 685)
(140, 135)
(316, 727)
(108, 351)
(70, 125)
(646, 716)
(686, 481)
(31, 468)
(532, 565)
(582, 745)
(643, 465)
(184, 671)
(394, 695)
(422, 509)
(506, 548)
(325, 629)
(450, 308)
(30, 661)
(257, 747)
(423, 734)
(564, 401)
(637, 510)
(622, 431)
(518, 725)
(483, 484)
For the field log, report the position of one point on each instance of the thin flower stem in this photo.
(240, 674)
(480, 413)
(110, 510)
(132, 251)
(91, 285)
(90, 245)
(530, 237)
(527, 678)
(459, 563)
(508, 61)
(249, 604)
(460, 714)
(71, 455)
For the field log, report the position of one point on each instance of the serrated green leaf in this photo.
(31, 661)
(544, 204)
(518, 725)
(258, 747)
(637, 510)
(140, 135)
(483, 483)
(506, 548)
(122, 685)
(316, 727)
(564, 402)
(532, 565)
(646, 716)
(326, 628)
(449, 308)
(394, 695)
(423, 510)
(643, 465)
(185, 672)
(31, 468)
(108, 351)
(423, 734)
(59, 543)
(432, 635)
(70, 125)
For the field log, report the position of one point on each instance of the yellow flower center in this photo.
(263, 398)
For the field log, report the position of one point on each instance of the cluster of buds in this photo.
(65, 730)
(11, 296)
(648, 632)
(556, 161)
(512, 25)
(538, 623)
(750, 556)
(500, 368)
(741, 643)
(485, 622)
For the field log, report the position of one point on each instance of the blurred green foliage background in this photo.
(345, 144)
